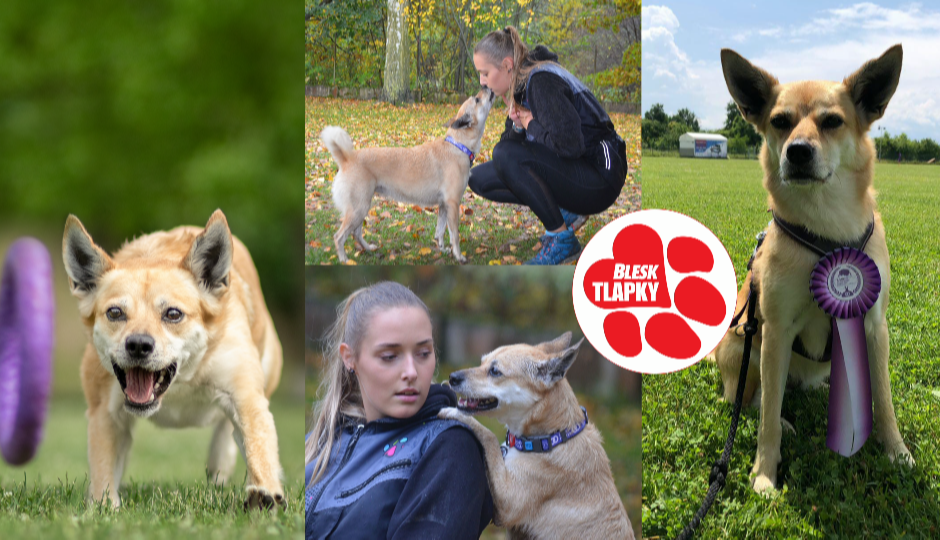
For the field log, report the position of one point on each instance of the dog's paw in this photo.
(901, 455)
(764, 485)
(262, 499)
(453, 413)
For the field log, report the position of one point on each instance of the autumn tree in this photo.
(397, 53)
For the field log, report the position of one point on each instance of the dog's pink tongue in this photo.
(139, 385)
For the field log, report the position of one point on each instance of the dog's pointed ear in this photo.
(556, 345)
(210, 256)
(552, 371)
(872, 86)
(459, 122)
(85, 262)
(750, 86)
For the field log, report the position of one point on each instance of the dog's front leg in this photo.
(885, 421)
(453, 224)
(774, 367)
(511, 502)
(257, 439)
(109, 441)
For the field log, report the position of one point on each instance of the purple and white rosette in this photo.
(846, 284)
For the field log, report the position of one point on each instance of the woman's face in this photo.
(495, 77)
(395, 363)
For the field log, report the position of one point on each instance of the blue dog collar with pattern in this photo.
(544, 443)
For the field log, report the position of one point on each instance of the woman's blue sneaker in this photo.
(572, 220)
(558, 248)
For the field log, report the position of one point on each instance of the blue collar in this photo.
(461, 147)
(544, 443)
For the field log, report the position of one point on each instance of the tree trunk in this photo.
(397, 53)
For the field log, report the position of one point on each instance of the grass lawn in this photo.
(165, 494)
(822, 495)
(490, 233)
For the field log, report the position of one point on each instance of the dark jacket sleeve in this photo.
(447, 495)
(555, 122)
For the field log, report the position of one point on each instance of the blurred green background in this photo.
(142, 116)
(477, 309)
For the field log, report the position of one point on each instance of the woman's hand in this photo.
(520, 117)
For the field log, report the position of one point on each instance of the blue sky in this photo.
(794, 41)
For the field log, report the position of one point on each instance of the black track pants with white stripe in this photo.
(530, 174)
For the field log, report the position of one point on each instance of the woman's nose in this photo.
(409, 373)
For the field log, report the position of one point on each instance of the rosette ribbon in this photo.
(846, 284)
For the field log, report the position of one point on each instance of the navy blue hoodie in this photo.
(420, 477)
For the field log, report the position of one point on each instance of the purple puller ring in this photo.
(27, 310)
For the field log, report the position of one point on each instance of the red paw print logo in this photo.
(654, 291)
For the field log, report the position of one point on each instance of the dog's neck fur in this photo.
(558, 409)
(839, 209)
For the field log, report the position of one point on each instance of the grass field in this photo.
(823, 495)
(490, 233)
(165, 494)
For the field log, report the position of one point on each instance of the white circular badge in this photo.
(654, 291)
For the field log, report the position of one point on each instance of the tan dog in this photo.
(178, 333)
(433, 174)
(818, 165)
(566, 492)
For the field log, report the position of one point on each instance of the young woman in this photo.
(559, 149)
(380, 464)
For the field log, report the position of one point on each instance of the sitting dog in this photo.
(178, 333)
(554, 480)
(818, 166)
(433, 174)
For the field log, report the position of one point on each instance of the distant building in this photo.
(703, 145)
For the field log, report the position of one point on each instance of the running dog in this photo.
(433, 174)
(818, 166)
(555, 479)
(178, 333)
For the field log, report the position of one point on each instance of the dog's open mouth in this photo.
(142, 387)
(472, 405)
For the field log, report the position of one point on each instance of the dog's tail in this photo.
(338, 142)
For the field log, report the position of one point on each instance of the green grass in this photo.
(822, 495)
(490, 233)
(165, 494)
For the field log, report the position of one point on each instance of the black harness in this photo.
(817, 244)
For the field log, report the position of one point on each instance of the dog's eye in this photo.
(173, 315)
(780, 121)
(115, 314)
(495, 372)
(832, 122)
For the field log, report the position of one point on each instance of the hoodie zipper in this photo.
(346, 456)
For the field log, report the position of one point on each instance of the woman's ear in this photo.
(346, 353)
(507, 64)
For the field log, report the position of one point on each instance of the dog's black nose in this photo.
(456, 378)
(799, 153)
(139, 346)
